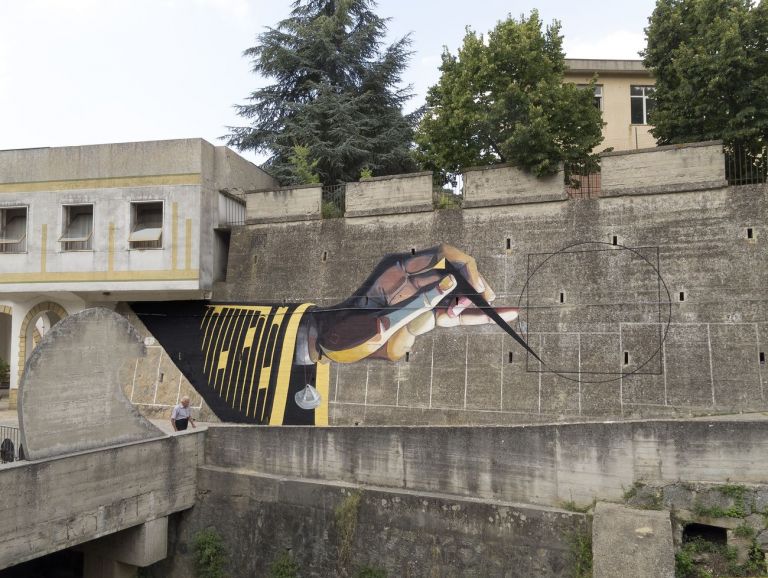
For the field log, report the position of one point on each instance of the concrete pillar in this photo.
(119, 555)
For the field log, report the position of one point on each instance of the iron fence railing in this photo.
(745, 165)
(10, 444)
(582, 180)
(334, 201)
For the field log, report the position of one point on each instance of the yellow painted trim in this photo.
(44, 251)
(188, 245)
(174, 236)
(111, 248)
(268, 364)
(321, 384)
(91, 276)
(286, 362)
(103, 183)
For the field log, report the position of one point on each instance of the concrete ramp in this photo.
(71, 397)
(629, 542)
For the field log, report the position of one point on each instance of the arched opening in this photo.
(39, 321)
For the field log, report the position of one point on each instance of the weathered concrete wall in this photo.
(613, 302)
(408, 193)
(57, 503)
(403, 533)
(663, 169)
(507, 185)
(299, 203)
(545, 465)
(234, 173)
(71, 396)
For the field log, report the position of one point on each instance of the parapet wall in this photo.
(641, 305)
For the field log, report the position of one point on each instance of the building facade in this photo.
(98, 225)
(624, 94)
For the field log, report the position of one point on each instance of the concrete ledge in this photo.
(56, 503)
(545, 465)
(665, 189)
(389, 195)
(508, 185)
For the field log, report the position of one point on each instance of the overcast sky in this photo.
(76, 72)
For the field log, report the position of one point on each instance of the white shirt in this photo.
(181, 412)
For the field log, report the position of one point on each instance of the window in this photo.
(598, 95)
(77, 232)
(642, 102)
(13, 230)
(146, 225)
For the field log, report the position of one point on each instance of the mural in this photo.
(269, 364)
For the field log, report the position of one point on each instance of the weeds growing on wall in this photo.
(284, 567)
(209, 554)
(700, 558)
(345, 516)
(581, 554)
(370, 572)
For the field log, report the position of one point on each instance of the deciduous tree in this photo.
(502, 99)
(710, 59)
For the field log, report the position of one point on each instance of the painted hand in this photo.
(405, 296)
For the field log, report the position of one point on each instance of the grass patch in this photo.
(345, 516)
(581, 554)
(700, 558)
(572, 506)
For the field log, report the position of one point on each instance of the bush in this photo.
(210, 554)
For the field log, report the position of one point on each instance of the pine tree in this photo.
(336, 93)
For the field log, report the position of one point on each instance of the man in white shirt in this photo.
(182, 415)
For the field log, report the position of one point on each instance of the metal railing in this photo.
(334, 201)
(10, 444)
(745, 165)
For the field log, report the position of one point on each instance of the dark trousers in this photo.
(181, 424)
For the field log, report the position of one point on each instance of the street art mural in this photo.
(269, 364)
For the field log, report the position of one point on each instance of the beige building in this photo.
(624, 93)
(98, 225)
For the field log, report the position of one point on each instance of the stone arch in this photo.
(43, 307)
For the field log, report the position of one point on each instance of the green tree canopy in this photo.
(503, 100)
(335, 97)
(710, 59)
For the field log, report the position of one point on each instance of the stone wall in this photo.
(298, 203)
(673, 280)
(387, 195)
(506, 185)
(663, 169)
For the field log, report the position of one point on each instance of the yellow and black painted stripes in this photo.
(240, 357)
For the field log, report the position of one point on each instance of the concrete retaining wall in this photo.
(546, 465)
(507, 185)
(663, 169)
(53, 504)
(299, 203)
(388, 195)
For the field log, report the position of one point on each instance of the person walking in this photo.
(181, 415)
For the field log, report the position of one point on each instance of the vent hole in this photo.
(762, 358)
(162, 376)
(626, 358)
(255, 259)
(509, 243)
(749, 233)
(407, 356)
(682, 296)
(562, 297)
(510, 357)
(325, 256)
(615, 240)
(413, 251)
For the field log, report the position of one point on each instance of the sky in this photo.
(77, 72)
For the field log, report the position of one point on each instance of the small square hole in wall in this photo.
(510, 357)
(413, 251)
(509, 243)
(626, 358)
(762, 358)
(325, 256)
(562, 297)
(750, 233)
(614, 240)
(705, 532)
(681, 296)
(407, 356)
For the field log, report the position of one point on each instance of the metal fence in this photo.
(745, 165)
(10, 444)
(334, 201)
(582, 180)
